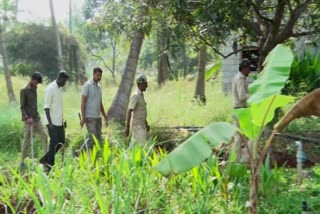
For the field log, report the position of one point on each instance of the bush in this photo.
(305, 74)
(11, 132)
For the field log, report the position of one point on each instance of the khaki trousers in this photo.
(139, 134)
(38, 129)
(242, 154)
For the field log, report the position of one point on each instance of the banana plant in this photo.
(265, 98)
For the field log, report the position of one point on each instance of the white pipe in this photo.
(299, 162)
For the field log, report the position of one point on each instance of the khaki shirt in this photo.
(93, 92)
(53, 101)
(240, 91)
(139, 107)
(29, 103)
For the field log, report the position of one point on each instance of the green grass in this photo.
(123, 180)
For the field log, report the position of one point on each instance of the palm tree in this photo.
(58, 41)
(6, 5)
(120, 103)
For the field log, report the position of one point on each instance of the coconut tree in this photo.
(57, 35)
(5, 9)
(120, 103)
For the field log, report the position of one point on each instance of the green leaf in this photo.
(274, 75)
(196, 149)
(213, 69)
(259, 114)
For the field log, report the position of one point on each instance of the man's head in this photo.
(142, 83)
(97, 74)
(245, 67)
(62, 78)
(36, 78)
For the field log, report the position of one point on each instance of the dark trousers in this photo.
(57, 139)
(94, 126)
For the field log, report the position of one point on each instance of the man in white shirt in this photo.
(54, 118)
(91, 107)
(240, 94)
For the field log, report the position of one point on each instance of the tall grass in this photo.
(170, 105)
(123, 180)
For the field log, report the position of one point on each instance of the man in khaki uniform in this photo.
(30, 115)
(138, 107)
(240, 94)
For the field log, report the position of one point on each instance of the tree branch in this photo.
(257, 11)
(290, 7)
(288, 29)
(299, 34)
(278, 18)
(102, 60)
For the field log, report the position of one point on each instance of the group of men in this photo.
(91, 109)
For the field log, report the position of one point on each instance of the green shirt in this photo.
(29, 103)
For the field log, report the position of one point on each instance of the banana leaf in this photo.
(196, 149)
(256, 116)
(274, 75)
(212, 70)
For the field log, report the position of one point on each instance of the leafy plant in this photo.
(265, 98)
(212, 70)
(304, 74)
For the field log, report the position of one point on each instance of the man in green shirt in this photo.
(30, 115)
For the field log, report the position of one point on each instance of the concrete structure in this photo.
(229, 68)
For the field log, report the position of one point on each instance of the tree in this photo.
(41, 40)
(7, 74)
(120, 103)
(6, 7)
(103, 29)
(253, 23)
(199, 93)
(57, 37)
(163, 59)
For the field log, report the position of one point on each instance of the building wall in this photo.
(230, 67)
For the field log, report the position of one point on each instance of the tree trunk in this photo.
(57, 35)
(199, 93)
(254, 186)
(70, 16)
(119, 105)
(186, 62)
(114, 55)
(118, 109)
(16, 11)
(163, 59)
(3, 49)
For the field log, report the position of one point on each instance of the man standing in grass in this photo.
(91, 106)
(138, 107)
(240, 94)
(30, 115)
(54, 118)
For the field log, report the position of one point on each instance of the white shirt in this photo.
(53, 101)
(240, 91)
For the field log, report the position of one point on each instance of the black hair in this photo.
(97, 69)
(245, 63)
(37, 76)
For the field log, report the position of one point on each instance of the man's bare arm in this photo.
(83, 110)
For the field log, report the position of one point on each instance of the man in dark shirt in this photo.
(30, 115)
